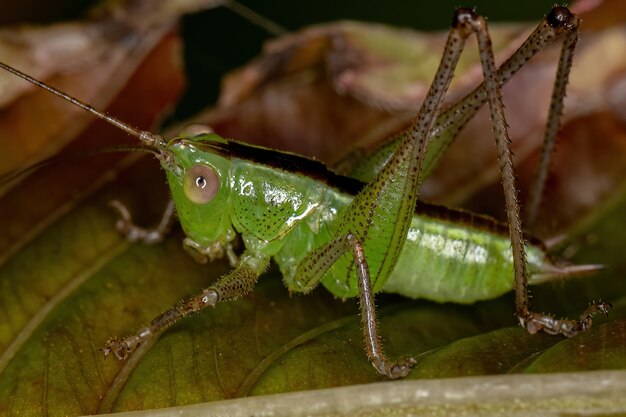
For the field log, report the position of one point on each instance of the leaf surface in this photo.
(69, 281)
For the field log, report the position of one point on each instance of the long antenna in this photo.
(148, 138)
(12, 175)
(269, 25)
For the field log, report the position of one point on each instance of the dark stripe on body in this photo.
(298, 164)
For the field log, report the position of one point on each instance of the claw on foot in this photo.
(400, 369)
(124, 223)
(122, 348)
(118, 348)
(536, 322)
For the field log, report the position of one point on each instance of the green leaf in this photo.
(79, 283)
(69, 281)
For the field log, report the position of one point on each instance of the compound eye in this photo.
(201, 184)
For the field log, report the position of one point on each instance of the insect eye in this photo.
(201, 184)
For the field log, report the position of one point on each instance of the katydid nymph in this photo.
(358, 238)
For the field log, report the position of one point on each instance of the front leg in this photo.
(231, 286)
(310, 272)
(134, 233)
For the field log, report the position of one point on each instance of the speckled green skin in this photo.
(286, 216)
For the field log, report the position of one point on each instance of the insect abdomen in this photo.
(442, 259)
(448, 262)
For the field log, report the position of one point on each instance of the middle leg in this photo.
(309, 274)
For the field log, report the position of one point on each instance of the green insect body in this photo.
(287, 215)
(354, 237)
(448, 262)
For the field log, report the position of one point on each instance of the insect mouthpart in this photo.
(168, 160)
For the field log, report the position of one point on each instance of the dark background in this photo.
(219, 40)
(293, 14)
